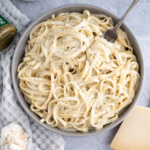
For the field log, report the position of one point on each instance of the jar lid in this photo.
(9, 44)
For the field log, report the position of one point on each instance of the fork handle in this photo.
(124, 16)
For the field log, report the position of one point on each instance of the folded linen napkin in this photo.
(10, 109)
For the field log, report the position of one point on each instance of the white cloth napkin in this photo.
(10, 109)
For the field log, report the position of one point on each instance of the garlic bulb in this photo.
(13, 137)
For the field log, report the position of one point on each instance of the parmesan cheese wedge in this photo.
(134, 133)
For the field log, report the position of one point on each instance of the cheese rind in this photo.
(134, 133)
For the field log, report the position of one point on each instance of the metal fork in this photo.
(111, 34)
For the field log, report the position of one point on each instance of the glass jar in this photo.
(7, 33)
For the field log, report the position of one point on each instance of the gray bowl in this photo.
(19, 53)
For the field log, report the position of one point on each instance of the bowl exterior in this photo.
(19, 53)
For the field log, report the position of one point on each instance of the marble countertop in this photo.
(139, 23)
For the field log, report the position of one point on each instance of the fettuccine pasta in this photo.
(72, 77)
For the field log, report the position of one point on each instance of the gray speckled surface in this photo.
(139, 23)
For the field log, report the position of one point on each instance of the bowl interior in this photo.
(19, 53)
